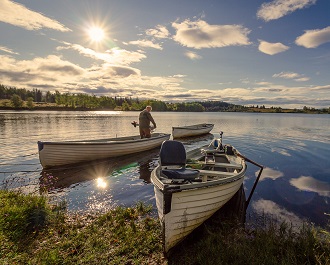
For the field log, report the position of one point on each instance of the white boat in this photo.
(191, 130)
(190, 188)
(53, 154)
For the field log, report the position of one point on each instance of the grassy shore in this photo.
(34, 232)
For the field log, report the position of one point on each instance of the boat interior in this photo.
(209, 164)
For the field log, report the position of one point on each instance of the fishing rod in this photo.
(135, 124)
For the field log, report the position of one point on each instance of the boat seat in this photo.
(172, 153)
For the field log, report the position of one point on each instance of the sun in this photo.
(96, 34)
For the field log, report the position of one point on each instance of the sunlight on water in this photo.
(108, 112)
(101, 183)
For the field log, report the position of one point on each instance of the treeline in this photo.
(19, 98)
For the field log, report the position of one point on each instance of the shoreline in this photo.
(254, 110)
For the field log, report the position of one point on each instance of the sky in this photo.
(257, 52)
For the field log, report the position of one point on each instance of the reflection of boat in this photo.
(191, 130)
(69, 152)
(190, 191)
(65, 176)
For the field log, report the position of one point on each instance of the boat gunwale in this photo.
(177, 187)
(109, 141)
(195, 127)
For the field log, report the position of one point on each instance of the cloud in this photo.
(270, 94)
(279, 8)
(120, 71)
(302, 79)
(53, 73)
(291, 75)
(146, 44)
(192, 55)
(20, 16)
(325, 88)
(159, 32)
(314, 38)
(113, 56)
(50, 71)
(200, 34)
(307, 183)
(272, 48)
(7, 50)
(287, 75)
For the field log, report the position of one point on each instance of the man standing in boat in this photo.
(144, 122)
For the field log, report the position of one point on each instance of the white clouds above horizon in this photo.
(199, 34)
(314, 38)
(7, 50)
(113, 55)
(159, 32)
(146, 44)
(20, 16)
(55, 73)
(192, 55)
(279, 8)
(272, 48)
(290, 75)
(39, 71)
(211, 73)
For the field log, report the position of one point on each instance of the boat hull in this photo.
(52, 154)
(190, 208)
(192, 130)
(184, 205)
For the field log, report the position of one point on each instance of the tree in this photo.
(16, 101)
(30, 102)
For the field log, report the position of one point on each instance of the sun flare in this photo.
(96, 34)
(100, 183)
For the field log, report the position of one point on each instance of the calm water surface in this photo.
(293, 148)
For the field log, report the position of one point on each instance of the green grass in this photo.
(33, 232)
(273, 243)
(122, 236)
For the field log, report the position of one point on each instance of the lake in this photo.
(293, 148)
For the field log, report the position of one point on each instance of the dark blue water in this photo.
(293, 148)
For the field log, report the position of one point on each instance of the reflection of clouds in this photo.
(281, 151)
(274, 210)
(307, 183)
(270, 173)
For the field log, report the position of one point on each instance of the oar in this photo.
(257, 179)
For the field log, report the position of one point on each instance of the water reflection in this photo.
(293, 148)
(66, 176)
(145, 170)
(269, 173)
(101, 183)
(307, 183)
(278, 213)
